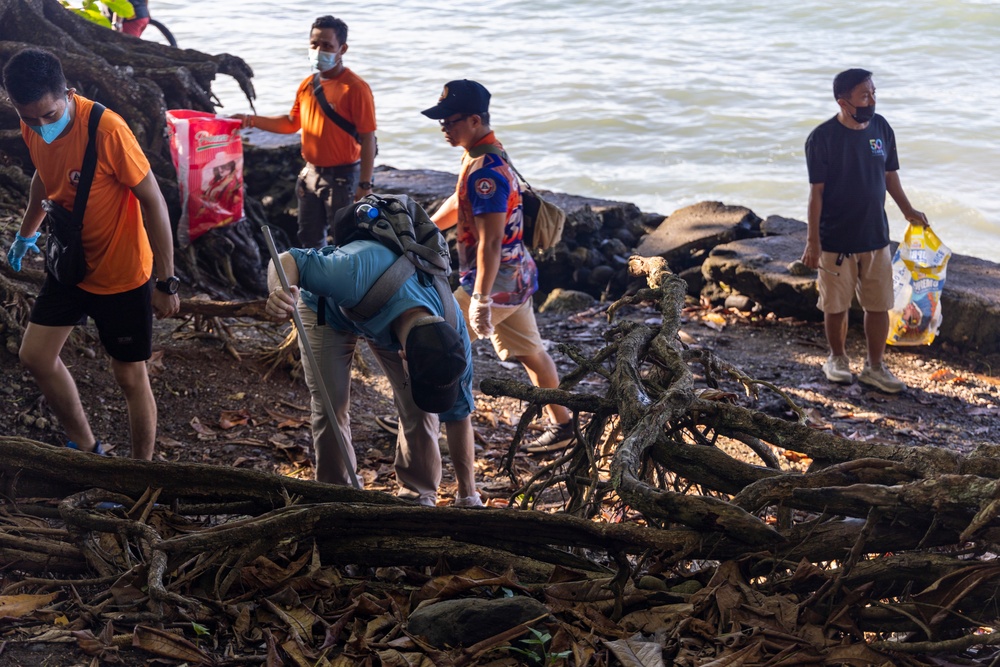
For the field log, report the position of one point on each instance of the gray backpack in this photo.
(400, 224)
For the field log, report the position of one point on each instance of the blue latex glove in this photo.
(19, 249)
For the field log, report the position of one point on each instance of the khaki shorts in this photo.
(515, 332)
(867, 274)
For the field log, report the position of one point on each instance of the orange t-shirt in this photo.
(119, 257)
(324, 144)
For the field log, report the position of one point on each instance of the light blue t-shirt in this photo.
(343, 275)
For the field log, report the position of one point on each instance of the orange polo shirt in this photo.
(119, 257)
(324, 144)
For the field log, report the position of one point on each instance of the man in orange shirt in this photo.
(339, 151)
(126, 233)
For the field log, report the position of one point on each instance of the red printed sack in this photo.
(208, 155)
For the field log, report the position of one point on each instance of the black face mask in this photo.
(863, 114)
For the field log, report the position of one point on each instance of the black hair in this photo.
(31, 74)
(484, 117)
(847, 80)
(338, 26)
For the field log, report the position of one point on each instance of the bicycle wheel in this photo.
(167, 35)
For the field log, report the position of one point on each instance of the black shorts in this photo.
(124, 320)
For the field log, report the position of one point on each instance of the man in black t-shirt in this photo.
(852, 164)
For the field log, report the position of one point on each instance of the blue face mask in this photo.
(51, 131)
(322, 60)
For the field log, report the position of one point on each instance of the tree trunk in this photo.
(140, 81)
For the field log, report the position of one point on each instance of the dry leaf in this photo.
(230, 418)
(815, 419)
(154, 365)
(795, 457)
(634, 652)
(664, 617)
(16, 606)
(942, 375)
(169, 645)
(202, 430)
(714, 321)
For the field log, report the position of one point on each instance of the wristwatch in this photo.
(169, 286)
(366, 185)
(478, 296)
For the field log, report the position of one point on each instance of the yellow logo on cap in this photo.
(444, 94)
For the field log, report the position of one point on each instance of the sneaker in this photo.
(469, 501)
(838, 369)
(554, 438)
(98, 448)
(881, 378)
(388, 423)
(426, 499)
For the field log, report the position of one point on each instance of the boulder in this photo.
(467, 621)
(597, 240)
(758, 268)
(683, 238)
(566, 301)
(970, 304)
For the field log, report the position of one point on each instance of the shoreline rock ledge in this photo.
(724, 251)
(598, 238)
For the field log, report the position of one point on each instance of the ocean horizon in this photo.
(663, 104)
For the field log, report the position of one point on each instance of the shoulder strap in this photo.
(443, 288)
(324, 104)
(89, 165)
(483, 149)
(378, 294)
(389, 283)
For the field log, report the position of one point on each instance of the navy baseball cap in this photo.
(435, 356)
(461, 96)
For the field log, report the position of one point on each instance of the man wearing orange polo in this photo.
(338, 137)
(126, 235)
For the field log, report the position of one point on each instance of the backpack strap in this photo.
(450, 313)
(324, 104)
(493, 149)
(389, 283)
(378, 294)
(320, 310)
(89, 165)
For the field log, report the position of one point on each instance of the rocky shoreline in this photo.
(727, 254)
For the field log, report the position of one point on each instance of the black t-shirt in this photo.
(851, 164)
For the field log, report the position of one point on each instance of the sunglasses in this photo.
(447, 124)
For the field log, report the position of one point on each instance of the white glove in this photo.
(480, 318)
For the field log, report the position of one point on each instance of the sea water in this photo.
(660, 103)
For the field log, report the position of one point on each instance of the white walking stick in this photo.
(327, 403)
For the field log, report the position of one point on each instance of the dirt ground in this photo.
(251, 412)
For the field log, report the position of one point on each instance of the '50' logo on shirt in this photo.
(876, 145)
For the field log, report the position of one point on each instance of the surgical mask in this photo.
(863, 114)
(322, 60)
(49, 132)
